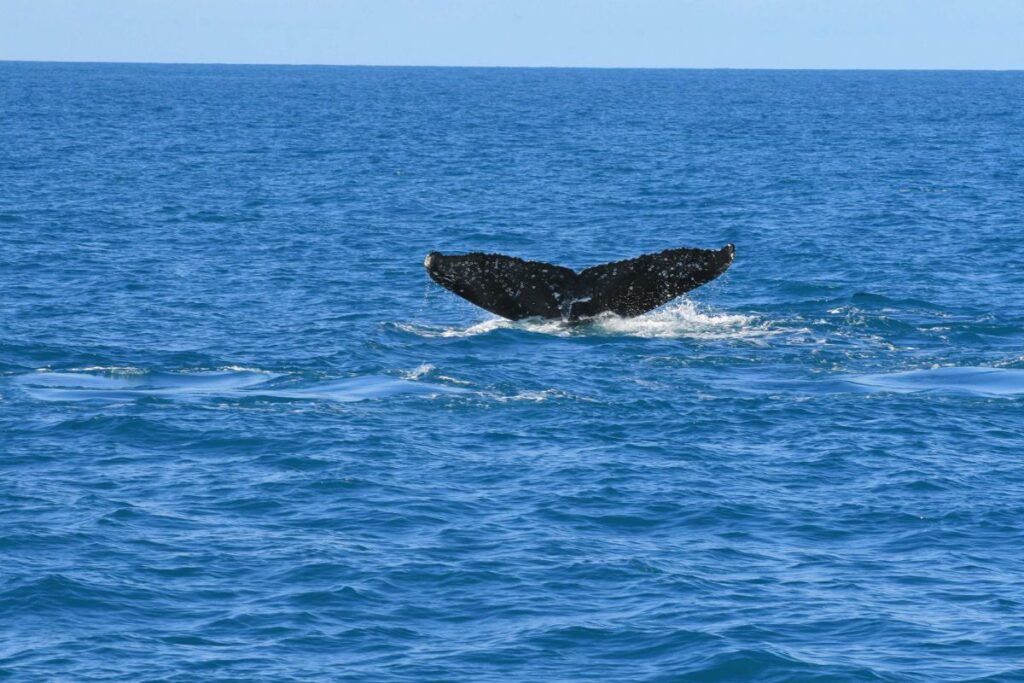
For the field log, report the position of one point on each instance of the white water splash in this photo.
(538, 396)
(242, 368)
(423, 370)
(683, 320)
(108, 369)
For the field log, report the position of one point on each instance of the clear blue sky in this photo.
(915, 34)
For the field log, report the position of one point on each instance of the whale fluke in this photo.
(516, 289)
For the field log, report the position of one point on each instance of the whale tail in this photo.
(516, 289)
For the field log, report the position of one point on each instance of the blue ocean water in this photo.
(243, 437)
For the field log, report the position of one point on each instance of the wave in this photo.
(974, 381)
(970, 381)
(128, 384)
(124, 384)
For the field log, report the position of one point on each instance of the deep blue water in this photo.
(243, 437)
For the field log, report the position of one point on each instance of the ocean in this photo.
(243, 437)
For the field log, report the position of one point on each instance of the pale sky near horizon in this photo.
(829, 34)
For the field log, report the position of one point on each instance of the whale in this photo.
(514, 288)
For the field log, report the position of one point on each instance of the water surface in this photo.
(243, 437)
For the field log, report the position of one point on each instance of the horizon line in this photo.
(506, 66)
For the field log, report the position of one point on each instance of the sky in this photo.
(822, 34)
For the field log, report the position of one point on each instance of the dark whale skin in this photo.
(514, 288)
